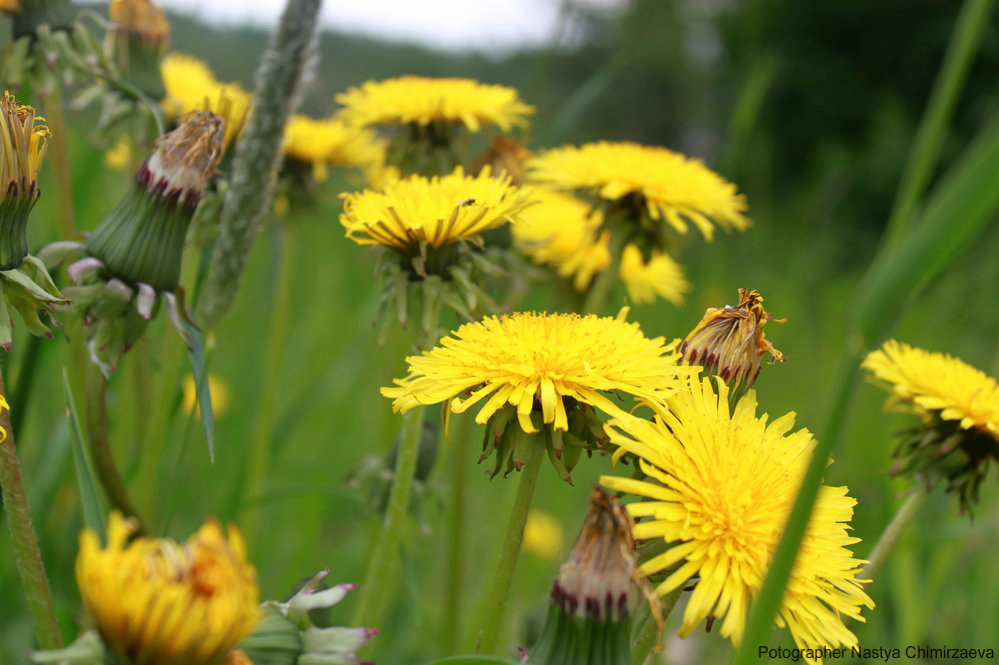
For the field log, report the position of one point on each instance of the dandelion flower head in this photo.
(661, 276)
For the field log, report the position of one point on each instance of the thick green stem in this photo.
(457, 531)
(499, 591)
(52, 105)
(276, 345)
(26, 552)
(964, 43)
(648, 636)
(379, 579)
(100, 445)
(889, 537)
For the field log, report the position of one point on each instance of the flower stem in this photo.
(499, 591)
(603, 283)
(890, 536)
(100, 445)
(26, 552)
(456, 533)
(52, 104)
(260, 446)
(379, 578)
(648, 636)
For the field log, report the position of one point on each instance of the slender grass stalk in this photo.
(52, 104)
(380, 579)
(276, 348)
(499, 590)
(648, 636)
(258, 154)
(890, 536)
(457, 530)
(100, 446)
(29, 558)
(964, 42)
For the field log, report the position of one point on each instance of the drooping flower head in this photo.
(25, 284)
(729, 341)
(159, 602)
(139, 37)
(659, 276)
(329, 141)
(959, 409)
(562, 231)
(720, 484)
(191, 87)
(590, 614)
(505, 155)
(545, 370)
(673, 188)
(426, 117)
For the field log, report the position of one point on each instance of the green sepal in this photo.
(14, 210)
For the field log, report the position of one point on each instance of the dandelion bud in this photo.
(24, 282)
(593, 593)
(138, 39)
(286, 634)
(958, 407)
(729, 341)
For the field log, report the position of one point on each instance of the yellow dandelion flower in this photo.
(526, 358)
(720, 486)
(730, 341)
(331, 141)
(25, 140)
(219, 388)
(421, 100)
(660, 276)
(191, 86)
(158, 602)
(543, 534)
(672, 187)
(436, 211)
(938, 383)
(119, 156)
(562, 231)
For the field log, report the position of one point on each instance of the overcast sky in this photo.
(483, 24)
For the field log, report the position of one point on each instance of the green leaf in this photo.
(93, 512)
(475, 660)
(196, 349)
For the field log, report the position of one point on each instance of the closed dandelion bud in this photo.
(958, 407)
(139, 37)
(286, 635)
(542, 378)
(589, 621)
(158, 602)
(730, 342)
(24, 282)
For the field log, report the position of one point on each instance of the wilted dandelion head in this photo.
(720, 486)
(531, 360)
(672, 187)
(563, 231)
(141, 18)
(186, 157)
(420, 100)
(330, 141)
(730, 341)
(436, 211)
(658, 277)
(159, 602)
(24, 136)
(191, 87)
(958, 405)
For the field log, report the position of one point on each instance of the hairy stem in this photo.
(52, 104)
(890, 536)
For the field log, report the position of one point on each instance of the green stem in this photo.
(379, 578)
(26, 552)
(100, 445)
(603, 283)
(964, 43)
(890, 536)
(761, 616)
(52, 104)
(260, 446)
(648, 636)
(492, 618)
(456, 534)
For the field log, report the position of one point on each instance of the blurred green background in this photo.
(809, 107)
